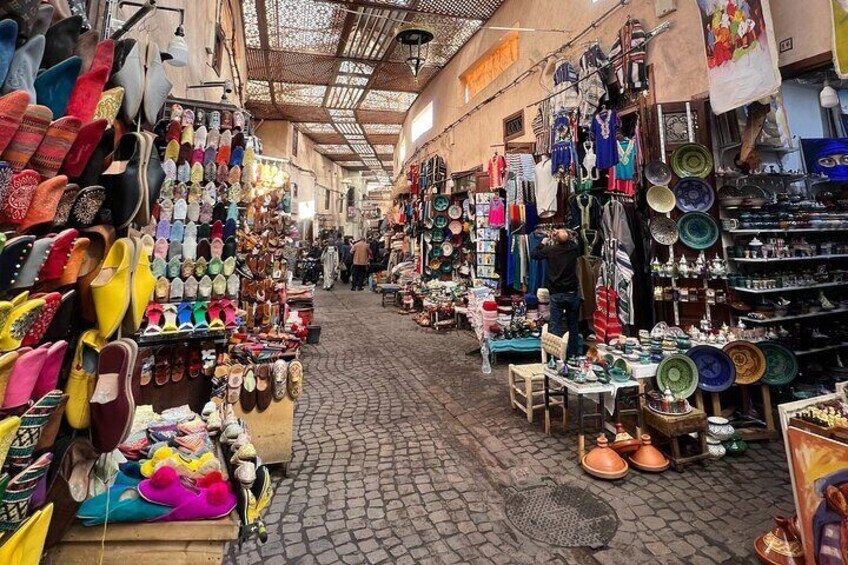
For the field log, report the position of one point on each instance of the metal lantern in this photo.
(415, 38)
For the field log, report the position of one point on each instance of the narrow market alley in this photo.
(407, 453)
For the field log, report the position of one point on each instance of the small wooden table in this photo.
(388, 290)
(582, 390)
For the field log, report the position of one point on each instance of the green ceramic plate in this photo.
(440, 222)
(698, 230)
(692, 160)
(441, 203)
(678, 374)
(781, 364)
(438, 236)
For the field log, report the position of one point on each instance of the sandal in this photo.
(178, 363)
(234, 382)
(209, 357)
(162, 367)
(195, 363)
(184, 312)
(153, 314)
(199, 315)
(229, 309)
(247, 397)
(215, 321)
(147, 368)
(170, 313)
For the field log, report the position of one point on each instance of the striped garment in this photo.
(628, 56)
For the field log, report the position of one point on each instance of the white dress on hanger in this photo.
(547, 187)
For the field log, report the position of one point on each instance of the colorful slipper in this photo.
(32, 424)
(15, 505)
(28, 136)
(83, 148)
(58, 140)
(54, 86)
(234, 383)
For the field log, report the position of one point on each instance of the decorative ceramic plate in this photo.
(440, 222)
(455, 227)
(435, 264)
(447, 267)
(698, 230)
(678, 374)
(455, 212)
(749, 360)
(660, 199)
(664, 230)
(692, 160)
(447, 248)
(623, 365)
(438, 236)
(781, 364)
(694, 195)
(716, 371)
(441, 203)
(435, 252)
(658, 173)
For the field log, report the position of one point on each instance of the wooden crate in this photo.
(272, 431)
(174, 543)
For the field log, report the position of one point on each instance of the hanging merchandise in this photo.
(566, 98)
(605, 126)
(562, 146)
(742, 61)
(547, 188)
(591, 85)
(497, 171)
(628, 55)
(542, 128)
(622, 175)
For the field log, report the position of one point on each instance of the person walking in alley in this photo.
(330, 261)
(361, 257)
(561, 254)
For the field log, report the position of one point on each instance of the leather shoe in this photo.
(124, 189)
(111, 288)
(61, 41)
(112, 404)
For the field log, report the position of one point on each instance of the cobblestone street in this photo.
(405, 453)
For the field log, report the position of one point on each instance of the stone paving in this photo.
(405, 452)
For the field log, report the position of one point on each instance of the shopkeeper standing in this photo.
(561, 253)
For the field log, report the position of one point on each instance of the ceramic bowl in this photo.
(715, 448)
(719, 428)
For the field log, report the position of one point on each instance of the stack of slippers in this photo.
(256, 386)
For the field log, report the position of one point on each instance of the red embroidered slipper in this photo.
(86, 93)
(13, 106)
(56, 144)
(31, 132)
(45, 200)
(18, 196)
(84, 145)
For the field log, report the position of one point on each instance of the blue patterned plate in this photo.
(716, 371)
(697, 230)
(694, 195)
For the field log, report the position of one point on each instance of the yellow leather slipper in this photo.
(19, 323)
(82, 379)
(7, 362)
(111, 288)
(8, 429)
(143, 284)
(26, 544)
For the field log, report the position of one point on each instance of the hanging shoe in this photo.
(26, 139)
(24, 68)
(15, 505)
(112, 404)
(156, 85)
(111, 289)
(53, 87)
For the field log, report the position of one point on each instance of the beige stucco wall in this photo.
(677, 57)
(200, 19)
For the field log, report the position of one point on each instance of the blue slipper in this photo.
(8, 36)
(24, 67)
(124, 503)
(53, 87)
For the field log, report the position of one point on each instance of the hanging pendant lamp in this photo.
(415, 39)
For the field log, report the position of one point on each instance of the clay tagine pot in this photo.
(782, 545)
(624, 443)
(648, 458)
(604, 463)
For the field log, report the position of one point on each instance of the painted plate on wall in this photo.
(657, 172)
(781, 364)
(441, 203)
(749, 360)
(664, 230)
(692, 160)
(440, 222)
(694, 195)
(447, 249)
(455, 227)
(661, 199)
(679, 374)
(716, 371)
(455, 212)
(698, 230)
(438, 236)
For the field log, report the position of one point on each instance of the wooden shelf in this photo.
(789, 288)
(787, 259)
(777, 320)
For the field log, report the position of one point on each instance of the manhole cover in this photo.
(563, 515)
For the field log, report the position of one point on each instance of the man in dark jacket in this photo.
(561, 253)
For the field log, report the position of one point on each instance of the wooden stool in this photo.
(672, 428)
(526, 388)
(388, 290)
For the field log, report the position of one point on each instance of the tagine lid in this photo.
(624, 443)
(782, 545)
(604, 463)
(649, 458)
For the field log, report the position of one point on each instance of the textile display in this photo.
(741, 52)
(628, 55)
(591, 86)
(839, 9)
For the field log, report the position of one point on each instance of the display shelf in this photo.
(820, 349)
(762, 176)
(219, 336)
(788, 288)
(761, 147)
(787, 259)
(785, 230)
(780, 319)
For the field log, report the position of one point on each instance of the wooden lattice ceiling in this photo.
(333, 67)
